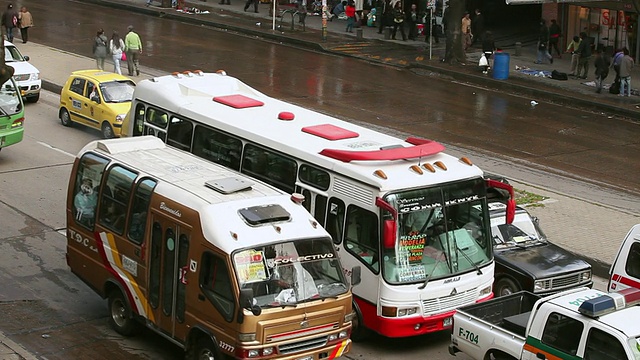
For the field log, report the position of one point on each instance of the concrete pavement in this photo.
(591, 229)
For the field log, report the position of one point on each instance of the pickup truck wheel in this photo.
(505, 286)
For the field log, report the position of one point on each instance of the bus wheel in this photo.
(204, 349)
(107, 130)
(505, 286)
(65, 118)
(358, 331)
(120, 317)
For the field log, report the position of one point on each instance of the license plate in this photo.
(305, 358)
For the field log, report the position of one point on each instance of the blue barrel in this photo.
(500, 66)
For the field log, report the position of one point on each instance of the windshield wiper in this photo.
(469, 259)
(426, 281)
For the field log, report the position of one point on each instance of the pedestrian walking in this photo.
(412, 21)
(116, 48)
(350, 11)
(386, 15)
(584, 51)
(10, 21)
(398, 21)
(133, 50)
(626, 64)
(466, 31)
(477, 28)
(543, 44)
(25, 21)
(615, 63)
(575, 56)
(602, 63)
(554, 38)
(100, 49)
(430, 28)
(252, 2)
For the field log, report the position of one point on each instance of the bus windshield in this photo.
(288, 273)
(10, 103)
(440, 232)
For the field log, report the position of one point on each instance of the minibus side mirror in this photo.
(356, 273)
(246, 301)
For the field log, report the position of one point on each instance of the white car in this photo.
(25, 75)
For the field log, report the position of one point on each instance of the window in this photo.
(180, 132)
(361, 236)
(217, 147)
(602, 346)
(91, 91)
(87, 184)
(633, 261)
(140, 210)
(114, 199)
(168, 269)
(183, 266)
(313, 176)
(335, 220)
(138, 120)
(77, 86)
(563, 333)
(154, 267)
(270, 167)
(215, 281)
(157, 117)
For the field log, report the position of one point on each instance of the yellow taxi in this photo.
(98, 99)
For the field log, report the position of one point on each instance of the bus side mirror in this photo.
(356, 275)
(511, 210)
(389, 231)
(246, 301)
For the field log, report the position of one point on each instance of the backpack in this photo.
(615, 87)
(14, 21)
(557, 75)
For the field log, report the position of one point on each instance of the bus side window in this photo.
(138, 120)
(113, 207)
(157, 118)
(217, 147)
(179, 133)
(140, 209)
(361, 238)
(335, 220)
(215, 282)
(87, 184)
(273, 168)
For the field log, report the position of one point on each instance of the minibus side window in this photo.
(140, 210)
(115, 198)
(215, 282)
(85, 190)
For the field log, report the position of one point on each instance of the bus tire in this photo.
(120, 315)
(505, 286)
(65, 118)
(358, 331)
(204, 348)
(107, 130)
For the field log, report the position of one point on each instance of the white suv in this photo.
(26, 75)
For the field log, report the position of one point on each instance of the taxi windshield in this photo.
(288, 273)
(117, 91)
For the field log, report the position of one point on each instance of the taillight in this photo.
(17, 123)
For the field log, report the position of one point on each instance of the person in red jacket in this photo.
(350, 11)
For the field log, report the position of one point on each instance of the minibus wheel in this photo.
(204, 349)
(120, 317)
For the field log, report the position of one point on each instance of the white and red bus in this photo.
(399, 208)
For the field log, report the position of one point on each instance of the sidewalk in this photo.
(373, 46)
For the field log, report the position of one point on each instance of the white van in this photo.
(625, 270)
(26, 75)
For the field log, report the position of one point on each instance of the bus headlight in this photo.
(247, 337)
(267, 351)
(485, 291)
(343, 334)
(253, 353)
(392, 311)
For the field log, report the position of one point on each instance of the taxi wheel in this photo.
(65, 118)
(107, 130)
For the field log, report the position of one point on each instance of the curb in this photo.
(16, 348)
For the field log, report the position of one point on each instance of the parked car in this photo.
(98, 99)
(25, 75)
(526, 260)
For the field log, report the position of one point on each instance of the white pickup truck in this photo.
(575, 324)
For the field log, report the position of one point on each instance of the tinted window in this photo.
(315, 177)
(179, 134)
(361, 236)
(633, 261)
(157, 117)
(562, 333)
(215, 281)
(115, 197)
(217, 147)
(77, 86)
(86, 188)
(602, 346)
(140, 210)
(270, 167)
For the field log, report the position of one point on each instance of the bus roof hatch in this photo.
(257, 215)
(229, 185)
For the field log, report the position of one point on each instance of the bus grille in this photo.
(351, 191)
(303, 345)
(448, 303)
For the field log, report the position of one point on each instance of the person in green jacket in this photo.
(133, 49)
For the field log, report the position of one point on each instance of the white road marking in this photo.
(56, 149)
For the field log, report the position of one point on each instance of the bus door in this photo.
(168, 279)
(315, 202)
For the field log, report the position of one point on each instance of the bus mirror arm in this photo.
(356, 277)
(247, 302)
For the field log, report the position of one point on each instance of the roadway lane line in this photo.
(56, 149)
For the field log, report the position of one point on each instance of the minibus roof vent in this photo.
(229, 185)
(264, 214)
